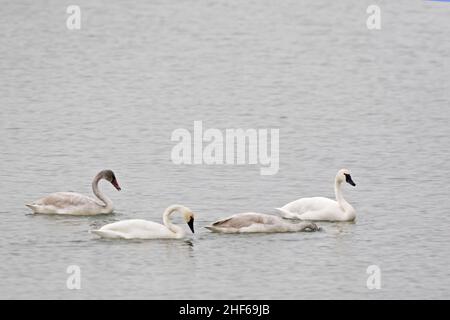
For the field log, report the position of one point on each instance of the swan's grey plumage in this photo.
(72, 203)
(252, 222)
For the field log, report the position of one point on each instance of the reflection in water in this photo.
(189, 243)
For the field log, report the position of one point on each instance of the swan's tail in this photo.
(106, 234)
(285, 213)
(98, 232)
(33, 207)
(215, 229)
(211, 228)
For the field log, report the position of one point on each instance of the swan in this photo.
(77, 204)
(252, 222)
(319, 208)
(143, 229)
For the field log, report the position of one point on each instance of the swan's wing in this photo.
(243, 220)
(132, 225)
(317, 215)
(257, 222)
(135, 228)
(330, 213)
(64, 200)
(303, 205)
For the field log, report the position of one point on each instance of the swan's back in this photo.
(309, 204)
(317, 209)
(65, 203)
(243, 220)
(251, 222)
(135, 229)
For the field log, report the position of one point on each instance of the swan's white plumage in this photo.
(143, 229)
(320, 208)
(137, 229)
(316, 208)
(252, 222)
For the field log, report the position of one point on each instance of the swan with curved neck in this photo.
(319, 208)
(252, 222)
(143, 229)
(71, 203)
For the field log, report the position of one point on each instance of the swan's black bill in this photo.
(348, 179)
(116, 184)
(191, 224)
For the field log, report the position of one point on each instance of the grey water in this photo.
(74, 102)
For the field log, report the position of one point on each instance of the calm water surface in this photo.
(110, 95)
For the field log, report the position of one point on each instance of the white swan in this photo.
(143, 229)
(251, 222)
(319, 208)
(76, 204)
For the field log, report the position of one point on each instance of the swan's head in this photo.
(188, 216)
(344, 175)
(109, 175)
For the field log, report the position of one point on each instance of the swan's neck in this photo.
(168, 223)
(339, 197)
(108, 203)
